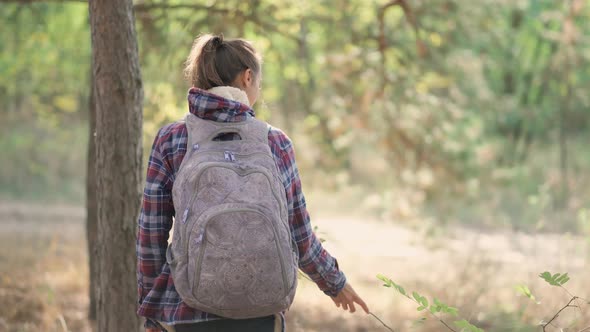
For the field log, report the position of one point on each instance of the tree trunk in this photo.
(91, 207)
(118, 101)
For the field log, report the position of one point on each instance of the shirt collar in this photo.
(209, 106)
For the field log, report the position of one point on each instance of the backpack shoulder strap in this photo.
(256, 131)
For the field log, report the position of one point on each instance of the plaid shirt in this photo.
(158, 299)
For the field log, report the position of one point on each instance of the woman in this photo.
(225, 76)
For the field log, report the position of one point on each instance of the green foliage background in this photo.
(475, 111)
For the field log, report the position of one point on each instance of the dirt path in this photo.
(43, 267)
(475, 271)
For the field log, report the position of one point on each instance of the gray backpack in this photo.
(232, 253)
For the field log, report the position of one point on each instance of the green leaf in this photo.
(545, 276)
(557, 279)
(562, 279)
(464, 324)
(434, 309)
(419, 321)
(420, 308)
(387, 282)
(420, 299)
(424, 302)
(400, 289)
(452, 311)
(524, 290)
(390, 283)
(416, 296)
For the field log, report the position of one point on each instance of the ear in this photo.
(248, 78)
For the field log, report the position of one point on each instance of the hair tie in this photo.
(217, 41)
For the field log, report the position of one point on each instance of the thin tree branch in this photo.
(151, 6)
(377, 318)
(568, 292)
(408, 13)
(560, 310)
(144, 7)
(445, 324)
(433, 315)
(382, 40)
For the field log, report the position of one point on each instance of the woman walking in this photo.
(225, 76)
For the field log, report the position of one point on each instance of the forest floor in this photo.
(43, 274)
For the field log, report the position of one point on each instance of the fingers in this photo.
(356, 298)
(362, 303)
(336, 302)
(347, 298)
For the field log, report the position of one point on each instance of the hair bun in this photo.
(217, 40)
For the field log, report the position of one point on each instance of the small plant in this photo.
(434, 308)
(556, 280)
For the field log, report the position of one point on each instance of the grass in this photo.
(43, 271)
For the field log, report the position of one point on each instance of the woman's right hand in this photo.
(347, 297)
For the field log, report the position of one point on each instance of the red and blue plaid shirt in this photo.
(158, 299)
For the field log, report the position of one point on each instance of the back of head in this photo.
(214, 61)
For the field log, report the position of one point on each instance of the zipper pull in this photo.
(195, 147)
(232, 156)
(185, 216)
(199, 239)
(226, 155)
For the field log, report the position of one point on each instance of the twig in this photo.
(445, 324)
(560, 310)
(577, 298)
(572, 295)
(387, 327)
(62, 321)
(568, 292)
(372, 314)
(252, 18)
(433, 315)
(194, 6)
(442, 321)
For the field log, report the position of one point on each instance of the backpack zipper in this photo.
(228, 156)
(231, 156)
(208, 165)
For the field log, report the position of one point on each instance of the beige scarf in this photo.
(229, 92)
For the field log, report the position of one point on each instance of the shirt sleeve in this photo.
(155, 220)
(314, 260)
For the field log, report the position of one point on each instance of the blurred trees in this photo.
(408, 101)
(44, 66)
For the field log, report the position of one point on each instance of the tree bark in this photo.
(118, 101)
(91, 206)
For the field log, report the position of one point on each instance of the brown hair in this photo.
(215, 62)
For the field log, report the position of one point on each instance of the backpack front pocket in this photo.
(240, 261)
